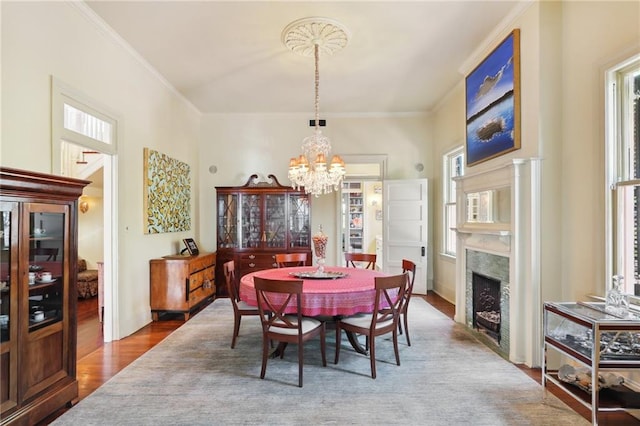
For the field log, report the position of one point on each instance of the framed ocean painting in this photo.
(493, 103)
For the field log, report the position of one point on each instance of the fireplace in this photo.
(498, 228)
(488, 297)
(486, 305)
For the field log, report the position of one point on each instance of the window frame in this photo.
(449, 208)
(619, 137)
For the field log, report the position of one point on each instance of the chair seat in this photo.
(364, 321)
(308, 324)
(246, 307)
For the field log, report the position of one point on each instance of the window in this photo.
(86, 124)
(452, 166)
(81, 128)
(623, 171)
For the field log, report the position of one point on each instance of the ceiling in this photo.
(228, 57)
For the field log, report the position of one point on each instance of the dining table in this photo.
(337, 292)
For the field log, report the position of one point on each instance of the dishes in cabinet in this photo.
(37, 316)
(42, 281)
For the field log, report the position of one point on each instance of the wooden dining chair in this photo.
(410, 268)
(240, 308)
(365, 260)
(284, 260)
(384, 319)
(277, 297)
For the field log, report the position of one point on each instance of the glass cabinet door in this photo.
(47, 226)
(8, 254)
(228, 221)
(251, 220)
(298, 225)
(275, 221)
(9, 304)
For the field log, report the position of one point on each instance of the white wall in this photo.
(45, 39)
(240, 145)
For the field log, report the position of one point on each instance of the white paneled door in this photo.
(405, 228)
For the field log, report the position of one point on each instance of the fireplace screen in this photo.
(486, 305)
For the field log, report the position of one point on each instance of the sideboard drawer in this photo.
(251, 262)
(200, 278)
(202, 292)
(201, 262)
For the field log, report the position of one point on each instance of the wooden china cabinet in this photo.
(38, 242)
(257, 220)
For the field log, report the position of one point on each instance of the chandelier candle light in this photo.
(308, 36)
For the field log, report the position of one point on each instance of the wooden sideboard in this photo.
(181, 283)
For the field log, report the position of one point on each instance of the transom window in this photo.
(87, 124)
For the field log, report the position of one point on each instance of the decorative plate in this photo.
(35, 268)
(315, 275)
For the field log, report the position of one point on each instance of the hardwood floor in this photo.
(98, 361)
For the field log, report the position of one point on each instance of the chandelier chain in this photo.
(310, 170)
(316, 55)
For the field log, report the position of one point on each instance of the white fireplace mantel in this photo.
(513, 232)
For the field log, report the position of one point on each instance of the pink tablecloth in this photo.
(343, 296)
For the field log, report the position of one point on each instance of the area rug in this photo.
(446, 377)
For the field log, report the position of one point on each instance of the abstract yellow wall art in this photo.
(167, 193)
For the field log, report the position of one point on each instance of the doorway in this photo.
(360, 209)
(85, 144)
(361, 222)
(83, 163)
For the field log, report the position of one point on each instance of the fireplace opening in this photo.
(486, 305)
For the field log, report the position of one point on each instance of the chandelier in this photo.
(308, 37)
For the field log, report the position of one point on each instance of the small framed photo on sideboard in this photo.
(191, 245)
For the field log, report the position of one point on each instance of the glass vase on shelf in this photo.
(320, 248)
(617, 302)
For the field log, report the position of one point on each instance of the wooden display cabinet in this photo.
(257, 220)
(181, 283)
(38, 234)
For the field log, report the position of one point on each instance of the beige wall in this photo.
(240, 145)
(602, 39)
(45, 39)
(565, 48)
(91, 231)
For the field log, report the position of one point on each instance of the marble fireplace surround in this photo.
(512, 234)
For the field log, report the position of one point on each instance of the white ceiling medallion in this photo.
(303, 35)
